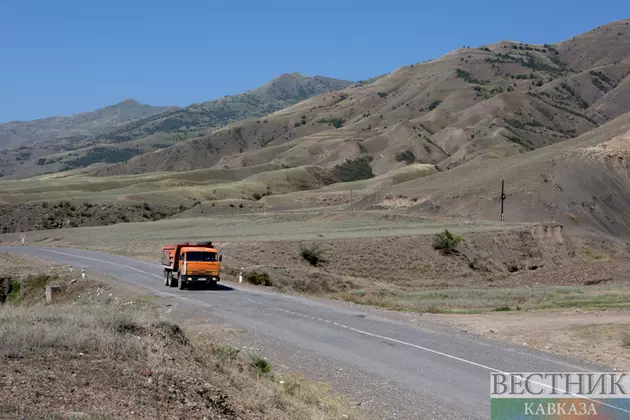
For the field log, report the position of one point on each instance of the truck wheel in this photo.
(166, 279)
(180, 284)
(170, 280)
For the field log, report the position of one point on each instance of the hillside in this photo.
(473, 104)
(582, 183)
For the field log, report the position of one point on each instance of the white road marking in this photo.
(369, 334)
(106, 262)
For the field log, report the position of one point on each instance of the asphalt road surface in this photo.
(395, 370)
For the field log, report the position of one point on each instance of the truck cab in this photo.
(188, 264)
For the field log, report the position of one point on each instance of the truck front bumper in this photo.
(201, 279)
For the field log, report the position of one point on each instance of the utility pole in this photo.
(351, 201)
(503, 196)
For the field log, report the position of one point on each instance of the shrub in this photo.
(434, 105)
(446, 242)
(468, 78)
(354, 170)
(406, 156)
(335, 122)
(314, 255)
(15, 290)
(225, 352)
(258, 278)
(515, 123)
(501, 309)
(260, 364)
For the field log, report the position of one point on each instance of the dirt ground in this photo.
(598, 336)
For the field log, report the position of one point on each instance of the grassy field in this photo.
(386, 260)
(61, 358)
(478, 300)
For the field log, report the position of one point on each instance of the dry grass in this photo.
(70, 330)
(467, 300)
(109, 358)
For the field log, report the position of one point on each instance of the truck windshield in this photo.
(201, 256)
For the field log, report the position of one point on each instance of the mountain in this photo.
(471, 105)
(284, 90)
(117, 133)
(28, 133)
(552, 121)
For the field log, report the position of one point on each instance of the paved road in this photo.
(398, 370)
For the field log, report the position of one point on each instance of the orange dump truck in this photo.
(191, 264)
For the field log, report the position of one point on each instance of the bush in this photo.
(354, 170)
(446, 242)
(406, 156)
(258, 278)
(314, 256)
(15, 290)
(335, 122)
(260, 364)
(468, 78)
(434, 105)
(226, 352)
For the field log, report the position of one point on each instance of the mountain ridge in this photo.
(61, 143)
(470, 104)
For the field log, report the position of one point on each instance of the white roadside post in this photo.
(23, 238)
(83, 275)
(71, 268)
(240, 276)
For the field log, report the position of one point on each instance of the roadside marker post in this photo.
(83, 275)
(240, 276)
(71, 268)
(503, 197)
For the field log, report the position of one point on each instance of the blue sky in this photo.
(62, 57)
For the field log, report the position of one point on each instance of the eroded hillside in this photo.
(472, 104)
